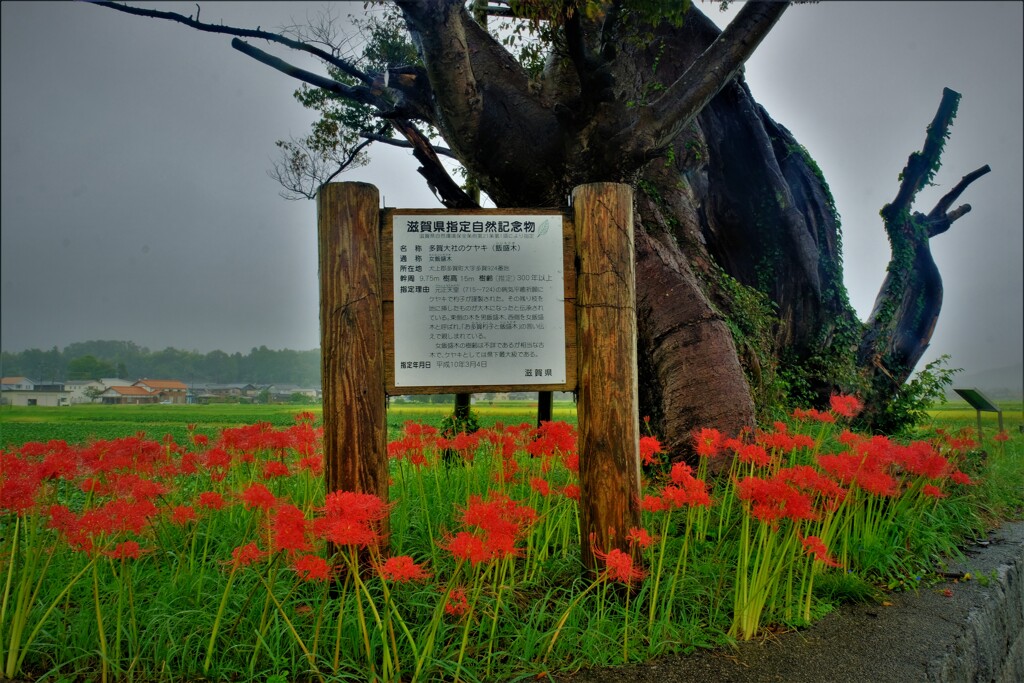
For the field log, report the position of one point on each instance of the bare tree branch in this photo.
(357, 94)
(333, 60)
(405, 144)
(302, 171)
(940, 218)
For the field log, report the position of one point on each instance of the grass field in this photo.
(81, 423)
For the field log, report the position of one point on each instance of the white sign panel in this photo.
(479, 300)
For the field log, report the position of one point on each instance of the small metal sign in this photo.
(981, 403)
(478, 300)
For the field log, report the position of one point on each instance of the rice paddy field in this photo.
(81, 423)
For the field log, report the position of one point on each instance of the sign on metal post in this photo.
(981, 403)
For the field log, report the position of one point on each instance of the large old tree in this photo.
(740, 298)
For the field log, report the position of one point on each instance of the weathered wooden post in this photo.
(607, 374)
(352, 339)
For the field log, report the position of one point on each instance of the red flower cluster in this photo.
(773, 499)
(402, 569)
(351, 519)
(499, 523)
(619, 566)
(813, 546)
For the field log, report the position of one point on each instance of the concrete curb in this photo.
(991, 644)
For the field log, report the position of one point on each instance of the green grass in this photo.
(532, 612)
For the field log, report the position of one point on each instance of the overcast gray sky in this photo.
(136, 203)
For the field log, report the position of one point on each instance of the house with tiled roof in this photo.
(132, 395)
(166, 390)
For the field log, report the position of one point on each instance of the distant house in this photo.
(131, 395)
(166, 390)
(16, 384)
(79, 389)
(21, 391)
(283, 393)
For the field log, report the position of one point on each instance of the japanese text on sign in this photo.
(479, 300)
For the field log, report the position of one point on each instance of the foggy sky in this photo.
(136, 203)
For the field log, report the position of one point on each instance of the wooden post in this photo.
(607, 374)
(352, 339)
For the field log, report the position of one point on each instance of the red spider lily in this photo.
(19, 483)
(216, 459)
(402, 569)
(118, 516)
(290, 529)
(274, 468)
(457, 603)
(813, 414)
(312, 568)
(469, 547)
(685, 490)
(211, 500)
(306, 416)
(932, 491)
(619, 566)
(189, 463)
(1001, 436)
(959, 477)
(806, 478)
(351, 519)
(920, 458)
(66, 523)
(552, 439)
(638, 536)
(258, 496)
(501, 520)
(572, 462)
(466, 444)
(846, 406)
(499, 515)
(708, 442)
(314, 464)
(649, 447)
(773, 499)
(652, 503)
(247, 554)
(777, 441)
(182, 515)
(755, 455)
(137, 487)
(571, 491)
(815, 547)
(540, 485)
(128, 550)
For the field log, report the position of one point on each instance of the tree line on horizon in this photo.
(97, 359)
